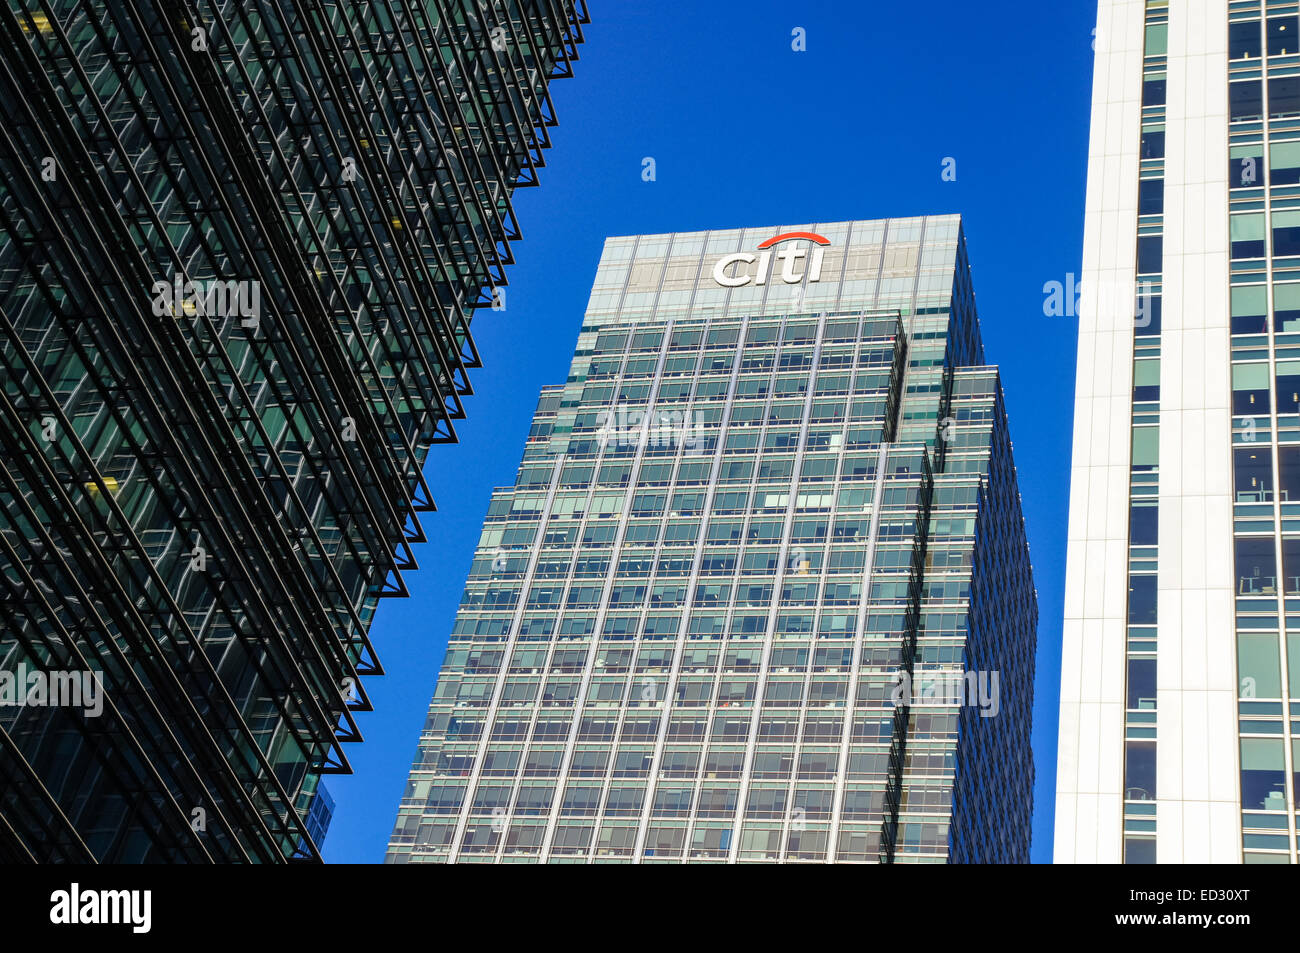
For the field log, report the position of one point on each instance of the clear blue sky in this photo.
(744, 131)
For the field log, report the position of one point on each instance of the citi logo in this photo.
(732, 271)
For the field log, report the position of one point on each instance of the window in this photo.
(1157, 39)
(722, 337)
(1139, 850)
(1291, 574)
(1288, 387)
(1142, 600)
(1259, 665)
(1250, 389)
(1139, 770)
(1286, 308)
(1284, 163)
(1153, 142)
(1151, 196)
(1150, 253)
(1246, 100)
(1256, 566)
(1263, 774)
(1250, 309)
(1282, 36)
(1284, 96)
(1244, 40)
(1141, 683)
(1246, 165)
(1146, 380)
(1253, 475)
(1144, 523)
(1147, 312)
(1153, 91)
(1146, 448)
(1246, 234)
(1288, 464)
(1286, 233)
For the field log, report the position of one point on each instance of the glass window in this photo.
(1150, 253)
(1286, 308)
(1288, 387)
(1293, 668)
(1246, 233)
(1291, 566)
(1153, 142)
(1253, 474)
(1288, 465)
(1142, 600)
(1250, 309)
(1151, 196)
(1142, 683)
(1295, 764)
(1259, 666)
(1244, 40)
(1146, 448)
(1245, 165)
(1256, 566)
(1250, 389)
(1146, 379)
(1282, 36)
(1153, 92)
(1139, 770)
(1139, 850)
(1286, 233)
(1144, 523)
(1284, 163)
(1263, 774)
(1157, 39)
(1284, 96)
(1246, 100)
(1147, 313)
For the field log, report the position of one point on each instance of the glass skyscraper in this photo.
(240, 248)
(1180, 681)
(761, 590)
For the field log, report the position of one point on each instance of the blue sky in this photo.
(745, 131)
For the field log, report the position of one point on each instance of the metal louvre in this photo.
(349, 166)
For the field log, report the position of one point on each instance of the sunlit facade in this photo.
(1180, 675)
(774, 499)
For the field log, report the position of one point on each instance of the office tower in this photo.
(761, 590)
(240, 247)
(1180, 672)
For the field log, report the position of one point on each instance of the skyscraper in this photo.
(761, 590)
(1180, 671)
(239, 255)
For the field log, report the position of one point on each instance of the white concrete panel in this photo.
(1196, 747)
(1198, 811)
(1090, 752)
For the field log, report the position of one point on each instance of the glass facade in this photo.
(1264, 183)
(239, 255)
(761, 590)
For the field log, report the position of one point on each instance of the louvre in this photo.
(233, 324)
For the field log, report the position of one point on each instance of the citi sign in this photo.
(733, 271)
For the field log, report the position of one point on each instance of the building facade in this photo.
(761, 590)
(1180, 681)
(240, 248)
